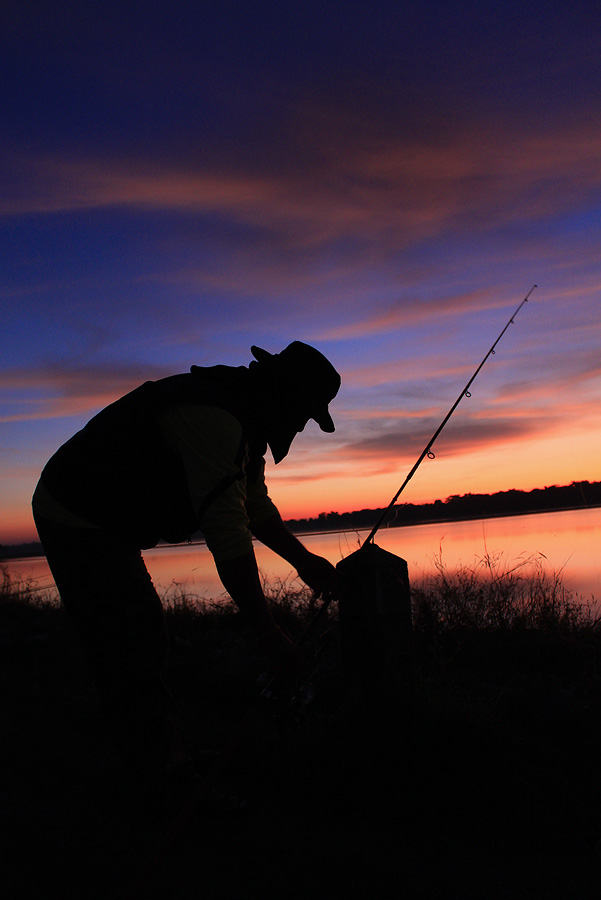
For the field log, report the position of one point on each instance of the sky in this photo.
(385, 181)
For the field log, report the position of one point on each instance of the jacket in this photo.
(121, 472)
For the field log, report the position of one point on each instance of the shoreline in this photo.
(430, 520)
(446, 519)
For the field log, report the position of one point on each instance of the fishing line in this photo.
(427, 451)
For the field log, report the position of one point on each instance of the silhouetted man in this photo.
(171, 457)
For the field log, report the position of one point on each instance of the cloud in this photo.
(530, 411)
(336, 230)
(334, 221)
(410, 311)
(457, 438)
(53, 391)
(557, 377)
(394, 191)
(359, 415)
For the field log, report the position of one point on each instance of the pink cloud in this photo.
(53, 392)
(361, 415)
(411, 311)
(392, 191)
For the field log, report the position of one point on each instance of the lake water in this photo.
(570, 541)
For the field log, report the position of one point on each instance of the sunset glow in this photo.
(386, 187)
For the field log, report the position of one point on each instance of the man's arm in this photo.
(315, 571)
(240, 578)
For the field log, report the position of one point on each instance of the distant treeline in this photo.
(16, 551)
(578, 494)
(467, 506)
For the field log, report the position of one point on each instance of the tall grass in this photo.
(495, 594)
(490, 594)
(15, 589)
(293, 605)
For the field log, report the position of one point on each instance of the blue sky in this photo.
(387, 181)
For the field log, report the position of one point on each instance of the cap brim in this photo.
(261, 355)
(325, 421)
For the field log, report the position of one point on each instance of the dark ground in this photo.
(487, 785)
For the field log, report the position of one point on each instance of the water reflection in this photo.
(569, 542)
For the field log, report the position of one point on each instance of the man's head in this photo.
(302, 382)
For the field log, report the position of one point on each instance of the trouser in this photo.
(118, 618)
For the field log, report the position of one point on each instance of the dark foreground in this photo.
(486, 784)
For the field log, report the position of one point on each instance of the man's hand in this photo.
(315, 571)
(240, 578)
(318, 573)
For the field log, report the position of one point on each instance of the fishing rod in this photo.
(427, 451)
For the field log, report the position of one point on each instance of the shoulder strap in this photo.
(227, 388)
(227, 480)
